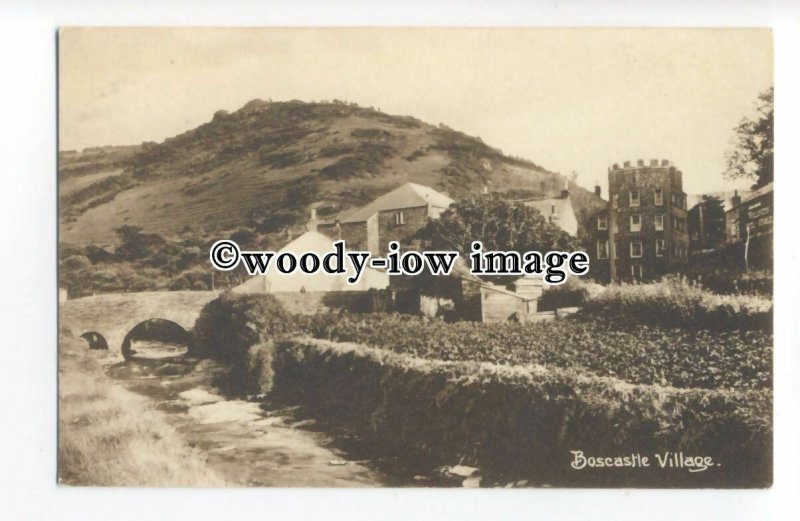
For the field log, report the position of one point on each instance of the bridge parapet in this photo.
(114, 315)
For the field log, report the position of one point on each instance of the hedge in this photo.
(521, 422)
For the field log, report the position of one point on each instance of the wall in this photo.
(415, 219)
(354, 234)
(312, 302)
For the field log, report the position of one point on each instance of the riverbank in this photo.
(110, 436)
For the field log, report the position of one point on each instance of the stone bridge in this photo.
(110, 318)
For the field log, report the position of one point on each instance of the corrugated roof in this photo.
(409, 195)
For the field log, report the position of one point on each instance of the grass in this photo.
(109, 436)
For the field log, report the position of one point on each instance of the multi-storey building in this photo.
(394, 216)
(749, 222)
(641, 235)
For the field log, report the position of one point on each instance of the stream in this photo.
(251, 443)
(248, 443)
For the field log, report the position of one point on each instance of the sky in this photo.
(571, 100)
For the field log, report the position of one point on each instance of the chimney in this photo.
(565, 190)
(311, 225)
(736, 200)
(597, 189)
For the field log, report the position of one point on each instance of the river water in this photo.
(257, 443)
(249, 443)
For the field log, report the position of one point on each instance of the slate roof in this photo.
(409, 195)
(563, 210)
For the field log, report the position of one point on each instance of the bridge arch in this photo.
(95, 340)
(155, 329)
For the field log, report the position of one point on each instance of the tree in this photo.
(752, 155)
(499, 225)
(713, 221)
(134, 244)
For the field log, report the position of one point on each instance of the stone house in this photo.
(394, 216)
(558, 211)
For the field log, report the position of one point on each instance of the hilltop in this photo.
(265, 165)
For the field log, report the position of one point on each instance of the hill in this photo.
(265, 165)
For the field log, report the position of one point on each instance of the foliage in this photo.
(499, 225)
(134, 244)
(752, 155)
(521, 422)
(239, 330)
(574, 292)
(674, 302)
(713, 223)
(713, 272)
(639, 354)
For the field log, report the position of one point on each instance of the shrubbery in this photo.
(674, 302)
(240, 330)
(574, 292)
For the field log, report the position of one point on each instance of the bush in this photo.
(673, 302)
(574, 292)
(239, 330)
(522, 422)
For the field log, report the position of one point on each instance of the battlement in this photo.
(642, 164)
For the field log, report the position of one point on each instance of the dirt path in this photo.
(247, 443)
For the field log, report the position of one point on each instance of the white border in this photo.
(28, 368)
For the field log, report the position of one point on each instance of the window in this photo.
(633, 197)
(636, 222)
(634, 269)
(399, 218)
(659, 221)
(636, 249)
(602, 222)
(602, 249)
(661, 247)
(659, 197)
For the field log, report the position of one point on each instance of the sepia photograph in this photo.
(415, 257)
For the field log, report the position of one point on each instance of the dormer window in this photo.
(633, 197)
(399, 218)
(602, 222)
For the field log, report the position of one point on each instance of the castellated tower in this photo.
(642, 233)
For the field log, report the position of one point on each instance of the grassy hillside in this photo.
(265, 165)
